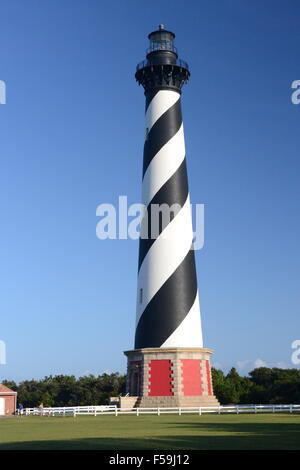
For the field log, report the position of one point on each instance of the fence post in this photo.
(200, 411)
(137, 412)
(237, 409)
(255, 409)
(273, 409)
(158, 412)
(219, 410)
(291, 408)
(179, 411)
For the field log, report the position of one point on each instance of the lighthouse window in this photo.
(141, 296)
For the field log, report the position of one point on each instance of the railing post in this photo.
(291, 408)
(179, 411)
(237, 409)
(137, 412)
(255, 409)
(273, 409)
(219, 410)
(158, 412)
(200, 411)
(116, 412)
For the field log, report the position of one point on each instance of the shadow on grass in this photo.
(235, 437)
(272, 429)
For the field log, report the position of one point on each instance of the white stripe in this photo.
(162, 101)
(163, 166)
(165, 255)
(189, 333)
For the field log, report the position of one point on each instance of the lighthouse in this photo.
(169, 365)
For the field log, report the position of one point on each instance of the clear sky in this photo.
(71, 137)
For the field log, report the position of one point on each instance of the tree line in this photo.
(67, 390)
(263, 385)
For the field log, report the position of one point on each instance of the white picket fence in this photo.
(69, 410)
(113, 410)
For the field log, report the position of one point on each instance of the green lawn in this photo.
(186, 432)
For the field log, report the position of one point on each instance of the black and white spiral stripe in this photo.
(168, 312)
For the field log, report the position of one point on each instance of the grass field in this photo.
(187, 432)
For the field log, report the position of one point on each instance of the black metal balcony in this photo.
(145, 63)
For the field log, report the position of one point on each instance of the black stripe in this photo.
(161, 132)
(149, 98)
(174, 191)
(168, 308)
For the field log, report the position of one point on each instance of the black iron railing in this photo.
(145, 63)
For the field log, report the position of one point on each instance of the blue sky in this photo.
(72, 137)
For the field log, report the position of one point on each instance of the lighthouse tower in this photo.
(169, 366)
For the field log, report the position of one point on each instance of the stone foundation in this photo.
(128, 402)
(169, 377)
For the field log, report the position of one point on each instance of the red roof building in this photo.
(8, 401)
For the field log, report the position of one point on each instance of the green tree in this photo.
(10, 384)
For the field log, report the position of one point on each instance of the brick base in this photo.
(169, 377)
